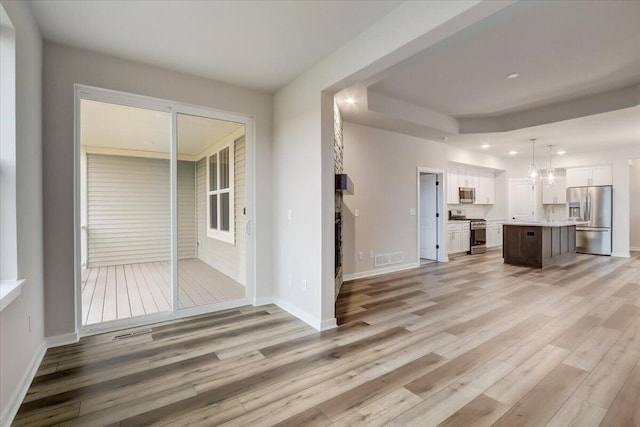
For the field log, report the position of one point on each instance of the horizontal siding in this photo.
(129, 211)
(227, 258)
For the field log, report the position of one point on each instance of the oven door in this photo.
(478, 241)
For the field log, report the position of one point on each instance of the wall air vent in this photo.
(387, 259)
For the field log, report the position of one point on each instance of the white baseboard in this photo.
(621, 254)
(379, 271)
(634, 248)
(64, 339)
(10, 411)
(328, 324)
(321, 325)
(263, 301)
(312, 321)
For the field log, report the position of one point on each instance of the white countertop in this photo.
(555, 223)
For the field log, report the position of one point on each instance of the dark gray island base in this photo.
(538, 245)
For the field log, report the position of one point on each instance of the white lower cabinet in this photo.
(458, 234)
(494, 234)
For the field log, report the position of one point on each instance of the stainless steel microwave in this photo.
(467, 195)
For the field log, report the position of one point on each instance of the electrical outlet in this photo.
(289, 214)
(412, 212)
(304, 284)
(356, 212)
(371, 255)
(360, 255)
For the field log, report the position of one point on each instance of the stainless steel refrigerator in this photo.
(594, 205)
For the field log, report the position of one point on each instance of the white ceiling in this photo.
(129, 128)
(562, 50)
(578, 88)
(255, 44)
(591, 133)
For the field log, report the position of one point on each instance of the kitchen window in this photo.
(220, 191)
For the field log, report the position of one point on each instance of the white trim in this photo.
(217, 233)
(64, 339)
(634, 248)
(9, 291)
(380, 271)
(328, 324)
(263, 301)
(441, 253)
(90, 149)
(621, 254)
(295, 311)
(10, 411)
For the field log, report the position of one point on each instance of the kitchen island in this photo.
(539, 244)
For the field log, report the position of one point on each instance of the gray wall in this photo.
(64, 66)
(19, 344)
(634, 204)
(228, 259)
(383, 167)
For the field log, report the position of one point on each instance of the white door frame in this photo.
(441, 253)
(123, 98)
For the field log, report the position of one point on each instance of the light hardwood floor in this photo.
(472, 342)
(130, 290)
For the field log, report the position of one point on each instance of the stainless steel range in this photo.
(478, 236)
(478, 227)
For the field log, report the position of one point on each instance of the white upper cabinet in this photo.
(485, 189)
(556, 193)
(453, 195)
(589, 175)
(482, 180)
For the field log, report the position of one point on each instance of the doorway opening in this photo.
(430, 218)
(162, 223)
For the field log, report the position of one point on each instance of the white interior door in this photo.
(521, 199)
(428, 220)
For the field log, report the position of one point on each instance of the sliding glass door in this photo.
(161, 212)
(211, 210)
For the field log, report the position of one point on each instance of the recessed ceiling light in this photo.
(485, 146)
(513, 153)
(512, 75)
(561, 152)
(350, 101)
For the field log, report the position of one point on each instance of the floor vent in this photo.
(386, 259)
(133, 334)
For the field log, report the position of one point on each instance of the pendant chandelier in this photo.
(534, 173)
(550, 174)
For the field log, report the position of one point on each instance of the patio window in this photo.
(220, 203)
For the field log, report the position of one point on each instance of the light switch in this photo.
(289, 214)
(412, 212)
(356, 212)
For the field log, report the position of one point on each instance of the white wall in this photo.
(303, 145)
(64, 66)
(22, 342)
(225, 257)
(634, 201)
(619, 160)
(383, 167)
